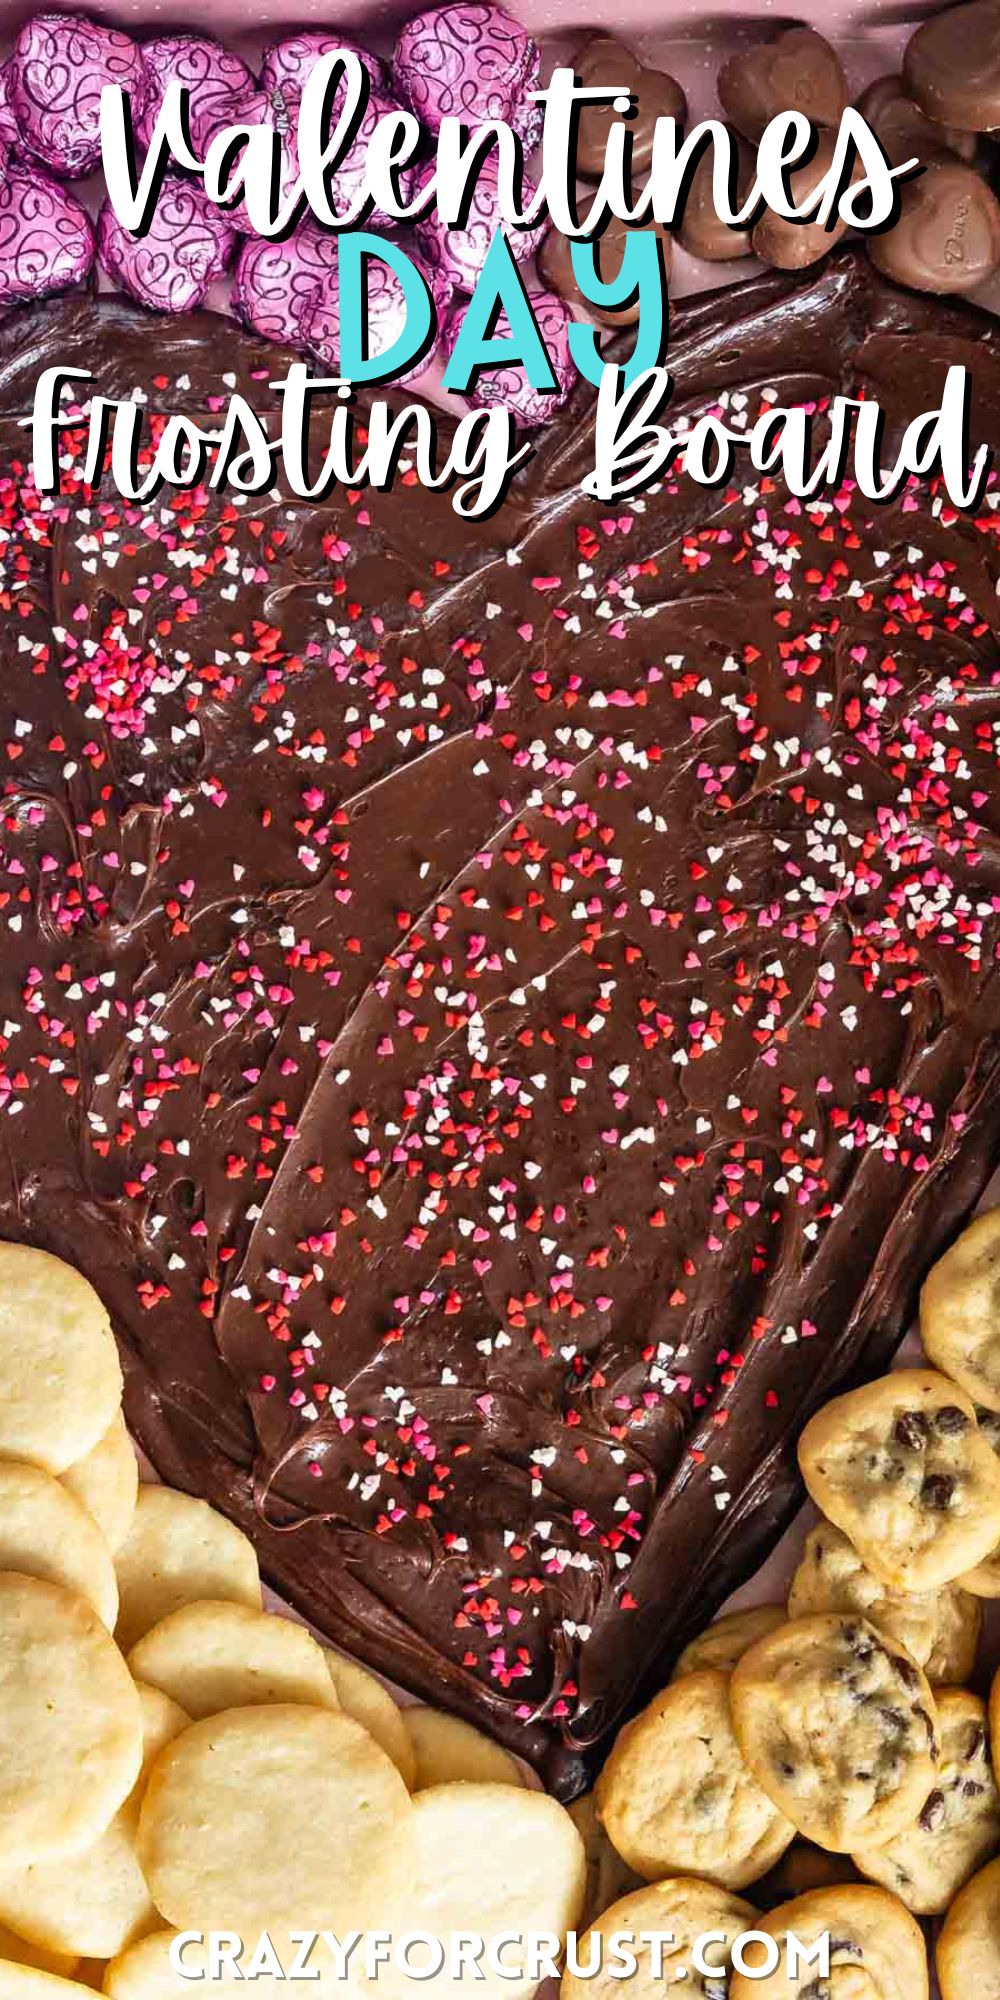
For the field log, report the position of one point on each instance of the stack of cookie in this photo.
(173, 1757)
(803, 1748)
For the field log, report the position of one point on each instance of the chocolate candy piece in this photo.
(276, 286)
(947, 238)
(9, 131)
(251, 107)
(555, 264)
(906, 132)
(288, 64)
(702, 233)
(386, 314)
(790, 246)
(461, 252)
(604, 61)
(347, 179)
(188, 245)
(60, 65)
(473, 62)
(510, 386)
(46, 238)
(797, 71)
(952, 66)
(212, 74)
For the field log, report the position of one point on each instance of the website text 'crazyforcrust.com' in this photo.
(519, 1957)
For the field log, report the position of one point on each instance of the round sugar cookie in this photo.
(16, 1950)
(28, 1982)
(284, 1816)
(876, 1948)
(725, 1642)
(145, 1972)
(71, 1743)
(488, 1858)
(106, 1482)
(178, 1551)
(214, 1655)
(362, 1696)
(686, 1908)
(45, 1532)
(60, 1377)
(95, 1903)
(450, 1751)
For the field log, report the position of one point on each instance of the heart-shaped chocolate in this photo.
(503, 1011)
(797, 70)
(46, 238)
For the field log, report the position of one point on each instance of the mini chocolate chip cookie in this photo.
(960, 1311)
(958, 1825)
(876, 1949)
(676, 1798)
(682, 1912)
(838, 1727)
(725, 1642)
(967, 1957)
(939, 1628)
(608, 1876)
(984, 1580)
(903, 1469)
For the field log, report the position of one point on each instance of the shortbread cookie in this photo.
(45, 1532)
(26, 1982)
(448, 1750)
(215, 1655)
(688, 1910)
(60, 1377)
(145, 1972)
(960, 1311)
(938, 1628)
(838, 1727)
(902, 1468)
(967, 1956)
(608, 1876)
(676, 1797)
(71, 1742)
(876, 1949)
(178, 1551)
(361, 1695)
(725, 1642)
(96, 1902)
(17, 1951)
(106, 1482)
(956, 1829)
(490, 1859)
(285, 1816)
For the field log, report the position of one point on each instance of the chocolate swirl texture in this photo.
(504, 1012)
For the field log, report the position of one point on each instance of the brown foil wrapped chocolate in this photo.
(555, 264)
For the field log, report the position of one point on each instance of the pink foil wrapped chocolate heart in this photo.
(277, 286)
(510, 386)
(277, 108)
(212, 75)
(386, 315)
(46, 238)
(473, 62)
(346, 180)
(188, 246)
(60, 65)
(287, 64)
(461, 252)
(9, 132)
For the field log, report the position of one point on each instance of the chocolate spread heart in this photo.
(505, 1013)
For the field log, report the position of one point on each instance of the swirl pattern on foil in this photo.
(188, 246)
(276, 286)
(287, 64)
(386, 314)
(461, 252)
(60, 65)
(473, 61)
(510, 386)
(46, 238)
(212, 74)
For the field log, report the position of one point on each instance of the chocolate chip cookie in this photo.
(939, 1628)
(984, 1579)
(686, 1912)
(960, 1311)
(968, 1950)
(958, 1826)
(676, 1797)
(725, 1642)
(838, 1727)
(903, 1469)
(876, 1949)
